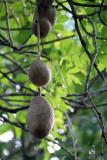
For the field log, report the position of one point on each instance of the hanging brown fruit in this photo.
(49, 12)
(45, 2)
(42, 25)
(39, 73)
(40, 119)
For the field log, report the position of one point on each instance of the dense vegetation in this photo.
(76, 52)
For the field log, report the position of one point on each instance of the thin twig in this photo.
(102, 21)
(69, 153)
(7, 21)
(81, 38)
(13, 123)
(94, 56)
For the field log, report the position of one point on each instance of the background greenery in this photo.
(77, 91)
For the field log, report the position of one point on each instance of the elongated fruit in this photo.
(43, 26)
(40, 119)
(48, 12)
(39, 73)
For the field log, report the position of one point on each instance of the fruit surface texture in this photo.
(49, 12)
(39, 73)
(40, 119)
(41, 27)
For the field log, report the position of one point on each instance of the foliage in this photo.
(76, 52)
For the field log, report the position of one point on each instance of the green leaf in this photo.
(4, 128)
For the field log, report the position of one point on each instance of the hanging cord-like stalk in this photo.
(37, 20)
(42, 41)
